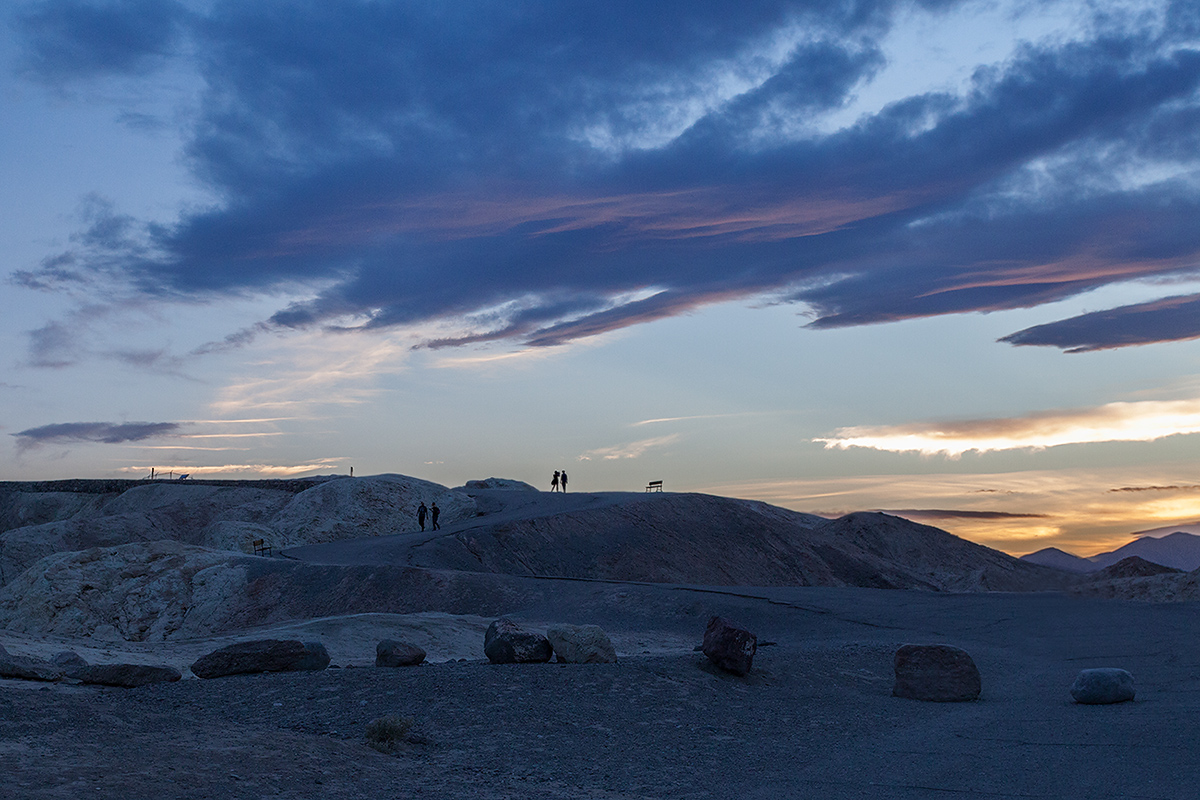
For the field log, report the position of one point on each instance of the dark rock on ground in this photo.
(729, 646)
(390, 653)
(263, 655)
(1102, 686)
(506, 642)
(935, 672)
(581, 644)
(127, 675)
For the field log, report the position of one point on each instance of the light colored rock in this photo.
(506, 642)
(139, 592)
(350, 508)
(499, 483)
(581, 644)
(935, 672)
(1102, 686)
(729, 646)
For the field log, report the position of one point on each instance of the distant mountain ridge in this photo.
(1179, 550)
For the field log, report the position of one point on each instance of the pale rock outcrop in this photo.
(391, 653)
(137, 592)
(581, 644)
(350, 508)
(1102, 686)
(506, 642)
(729, 646)
(935, 672)
(499, 483)
(262, 655)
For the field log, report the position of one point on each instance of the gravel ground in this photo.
(814, 719)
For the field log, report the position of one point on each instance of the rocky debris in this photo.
(391, 653)
(69, 662)
(729, 646)
(262, 655)
(1102, 686)
(498, 483)
(126, 675)
(935, 672)
(581, 644)
(26, 668)
(506, 642)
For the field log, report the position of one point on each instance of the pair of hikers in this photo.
(432, 512)
(559, 479)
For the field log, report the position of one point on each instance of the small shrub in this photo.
(386, 734)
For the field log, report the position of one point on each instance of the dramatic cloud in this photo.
(544, 172)
(103, 432)
(1115, 422)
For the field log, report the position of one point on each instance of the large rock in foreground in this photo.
(936, 672)
(262, 655)
(581, 644)
(729, 646)
(126, 675)
(391, 653)
(27, 669)
(1102, 686)
(506, 642)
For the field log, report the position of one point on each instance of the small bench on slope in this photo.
(654, 486)
(261, 548)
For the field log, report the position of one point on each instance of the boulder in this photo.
(262, 655)
(935, 672)
(127, 675)
(507, 643)
(1102, 686)
(729, 646)
(581, 644)
(27, 669)
(390, 653)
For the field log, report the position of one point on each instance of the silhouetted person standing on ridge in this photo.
(554, 482)
(563, 480)
(435, 511)
(421, 511)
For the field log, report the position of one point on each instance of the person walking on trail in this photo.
(421, 512)
(435, 512)
(562, 479)
(554, 482)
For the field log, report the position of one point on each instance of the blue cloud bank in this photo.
(541, 172)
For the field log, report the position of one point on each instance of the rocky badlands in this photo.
(115, 596)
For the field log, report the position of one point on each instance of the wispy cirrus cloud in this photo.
(494, 169)
(630, 449)
(1142, 421)
(273, 470)
(97, 432)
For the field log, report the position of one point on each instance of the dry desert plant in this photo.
(386, 734)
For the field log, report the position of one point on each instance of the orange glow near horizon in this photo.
(1142, 421)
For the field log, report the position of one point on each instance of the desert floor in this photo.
(815, 718)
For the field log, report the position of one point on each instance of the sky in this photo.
(936, 258)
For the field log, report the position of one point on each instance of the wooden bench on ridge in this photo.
(261, 548)
(654, 486)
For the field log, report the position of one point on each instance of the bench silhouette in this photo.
(261, 548)
(654, 486)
